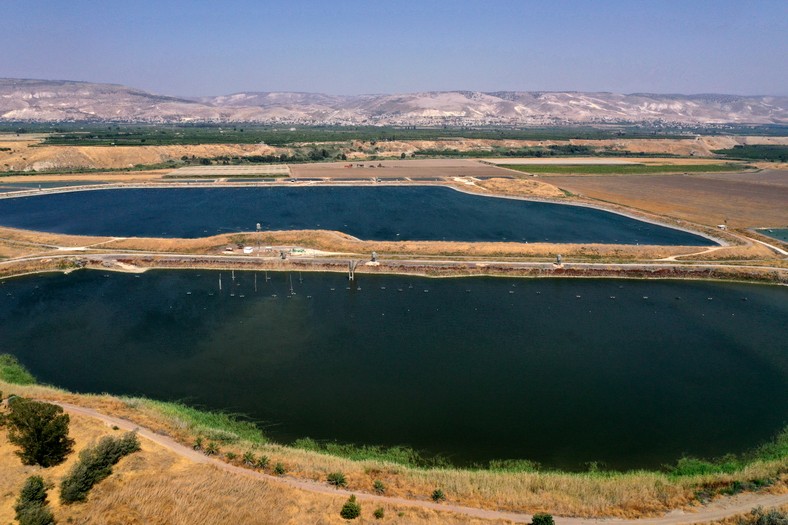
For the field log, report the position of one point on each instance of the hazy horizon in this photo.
(197, 49)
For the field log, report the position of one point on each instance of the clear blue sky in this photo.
(216, 47)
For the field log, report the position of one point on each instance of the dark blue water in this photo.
(781, 234)
(564, 372)
(382, 213)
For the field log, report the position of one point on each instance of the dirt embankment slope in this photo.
(33, 156)
(25, 154)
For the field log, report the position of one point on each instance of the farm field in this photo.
(568, 167)
(744, 200)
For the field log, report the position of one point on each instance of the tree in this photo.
(40, 430)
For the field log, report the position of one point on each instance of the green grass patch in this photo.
(767, 152)
(214, 426)
(623, 169)
(399, 455)
(12, 371)
(774, 450)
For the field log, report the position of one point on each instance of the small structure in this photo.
(722, 226)
(558, 259)
(374, 256)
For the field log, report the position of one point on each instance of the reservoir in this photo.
(564, 372)
(369, 213)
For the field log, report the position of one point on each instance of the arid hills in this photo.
(61, 101)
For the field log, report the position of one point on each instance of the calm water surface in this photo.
(629, 373)
(371, 213)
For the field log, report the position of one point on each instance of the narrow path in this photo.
(720, 508)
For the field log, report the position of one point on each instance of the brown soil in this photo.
(416, 169)
(741, 199)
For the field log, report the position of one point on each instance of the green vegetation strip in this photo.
(623, 169)
(767, 152)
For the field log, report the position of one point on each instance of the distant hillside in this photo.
(47, 101)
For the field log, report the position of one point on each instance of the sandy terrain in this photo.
(417, 169)
(744, 200)
(29, 155)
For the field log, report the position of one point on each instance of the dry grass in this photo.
(744, 519)
(519, 188)
(155, 486)
(624, 495)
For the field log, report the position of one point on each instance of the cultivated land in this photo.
(743, 200)
(161, 483)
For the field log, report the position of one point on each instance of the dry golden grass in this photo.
(155, 486)
(622, 495)
(519, 188)
(52, 239)
(339, 242)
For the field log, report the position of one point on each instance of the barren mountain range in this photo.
(53, 101)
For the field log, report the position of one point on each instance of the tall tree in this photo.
(40, 430)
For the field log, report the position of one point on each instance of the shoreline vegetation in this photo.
(517, 485)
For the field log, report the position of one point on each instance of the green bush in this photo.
(36, 515)
(379, 487)
(95, 464)
(438, 495)
(541, 518)
(248, 459)
(40, 430)
(230, 456)
(32, 507)
(279, 469)
(337, 479)
(262, 461)
(212, 449)
(351, 509)
(379, 512)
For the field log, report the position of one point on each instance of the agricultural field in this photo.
(623, 169)
(743, 200)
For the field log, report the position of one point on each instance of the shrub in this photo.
(351, 509)
(337, 479)
(379, 487)
(279, 469)
(540, 518)
(248, 459)
(40, 430)
(32, 508)
(231, 456)
(36, 515)
(438, 495)
(95, 464)
(379, 513)
(758, 516)
(33, 493)
(262, 461)
(197, 444)
(212, 449)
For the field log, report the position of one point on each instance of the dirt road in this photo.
(718, 509)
